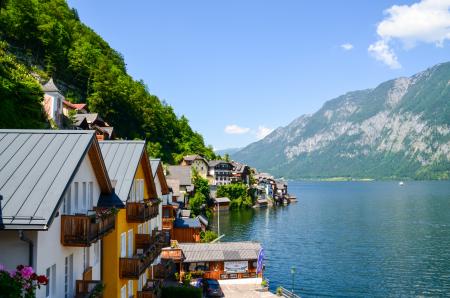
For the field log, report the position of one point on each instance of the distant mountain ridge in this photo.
(229, 151)
(400, 129)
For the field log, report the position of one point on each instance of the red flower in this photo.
(42, 279)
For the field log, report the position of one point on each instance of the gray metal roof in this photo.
(221, 251)
(154, 163)
(187, 223)
(50, 86)
(182, 173)
(122, 160)
(36, 166)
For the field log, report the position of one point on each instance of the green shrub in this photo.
(185, 292)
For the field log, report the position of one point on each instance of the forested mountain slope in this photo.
(45, 38)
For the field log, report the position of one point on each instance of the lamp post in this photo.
(218, 220)
(293, 269)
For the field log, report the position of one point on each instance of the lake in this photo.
(354, 239)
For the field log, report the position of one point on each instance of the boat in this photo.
(401, 183)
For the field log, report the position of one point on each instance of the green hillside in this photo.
(45, 38)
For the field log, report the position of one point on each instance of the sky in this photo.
(238, 69)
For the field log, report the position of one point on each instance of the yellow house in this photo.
(129, 251)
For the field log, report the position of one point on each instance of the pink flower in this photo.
(12, 273)
(27, 272)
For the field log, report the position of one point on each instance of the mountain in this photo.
(400, 129)
(229, 151)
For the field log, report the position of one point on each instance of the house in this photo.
(198, 163)
(184, 175)
(164, 194)
(221, 260)
(78, 108)
(56, 207)
(240, 173)
(221, 204)
(187, 229)
(219, 172)
(53, 103)
(136, 242)
(174, 184)
(95, 122)
(266, 186)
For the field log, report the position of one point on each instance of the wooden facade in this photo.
(186, 234)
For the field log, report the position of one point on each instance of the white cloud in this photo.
(427, 21)
(347, 46)
(381, 51)
(263, 131)
(236, 129)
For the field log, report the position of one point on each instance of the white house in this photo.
(162, 188)
(50, 183)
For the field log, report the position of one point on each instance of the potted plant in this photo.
(279, 291)
(265, 285)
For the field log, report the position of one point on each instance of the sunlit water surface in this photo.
(354, 239)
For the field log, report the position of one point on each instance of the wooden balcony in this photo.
(83, 230)
(86, 288)
(146, 294)
(150, 290)
(133, 267)
(167, 223)
(140, 211)
(174, 254)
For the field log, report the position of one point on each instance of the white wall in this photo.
(14, 251)
(158, 220)
(49, 248)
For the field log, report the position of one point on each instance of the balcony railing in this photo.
(86, 288)
(83, 230)
(133, 267)
(141, 211)
(150, 290)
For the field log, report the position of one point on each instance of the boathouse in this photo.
(222, 260)
(221, 204)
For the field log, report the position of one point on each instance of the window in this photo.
(140, 229)
(141, 282)
(130, 243)
(149, 227)
(86, 256)
(97, 247)
(50, 289)
(68, 277)
(123, 292)
(84, 198)
(76, 207)
(130, 288)
(123, 245)
(91, 195)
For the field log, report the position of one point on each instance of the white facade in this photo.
(62, 264)
(53, 105)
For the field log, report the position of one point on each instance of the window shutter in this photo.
(130, 243)
(123, 245)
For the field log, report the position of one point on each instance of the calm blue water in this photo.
(354, 239)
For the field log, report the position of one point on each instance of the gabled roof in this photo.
(157, 169)
(187, 223)
(122, 159)
(221, 200)
(174, 184)
(191, 158)
(36, 167)
(182, 173)
(220, 251)
(90, 117)
(74, 106)
(214, 163)
(50, 86)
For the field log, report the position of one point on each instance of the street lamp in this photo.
(293, 269)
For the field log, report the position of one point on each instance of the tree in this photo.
(238, 193)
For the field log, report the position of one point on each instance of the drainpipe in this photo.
(30, 247)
